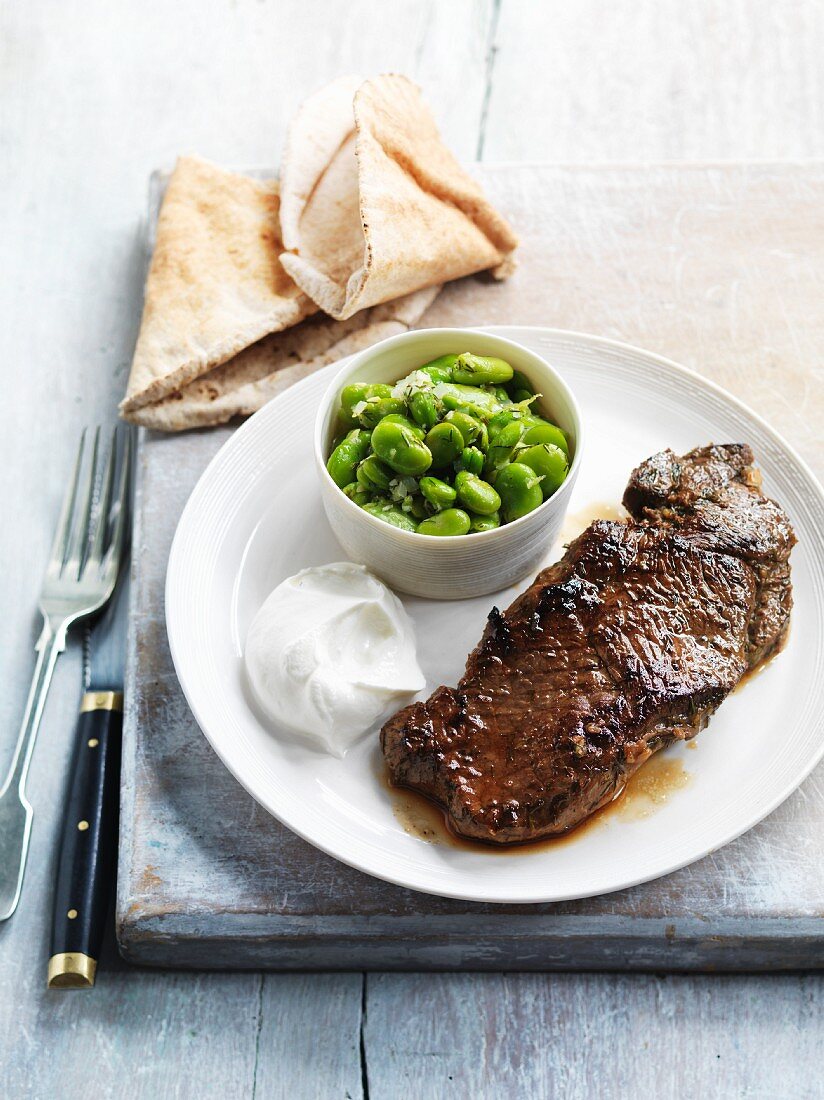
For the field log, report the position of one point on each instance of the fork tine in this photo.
(104, 504)
(80, 534)
(64, 523)
(122, 503)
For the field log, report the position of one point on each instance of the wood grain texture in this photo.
(95, 95)
(309, 1035)
(715, 266)
(144, 1036)
(458, 1037)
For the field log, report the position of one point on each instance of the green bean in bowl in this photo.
(456, 447)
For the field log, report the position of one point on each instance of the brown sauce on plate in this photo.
(754, 673)
(650, 787)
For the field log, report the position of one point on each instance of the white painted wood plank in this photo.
(472, 1037)
(309, 1037)
(597, 80)
(140, 1036)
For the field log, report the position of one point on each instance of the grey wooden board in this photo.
(209, 879)
(94, 95)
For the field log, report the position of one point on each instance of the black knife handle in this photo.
(88, 843)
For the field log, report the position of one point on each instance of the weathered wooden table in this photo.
(94, 96)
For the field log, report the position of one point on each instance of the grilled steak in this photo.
(627, 644)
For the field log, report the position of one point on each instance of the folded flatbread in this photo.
(215, 284)
(258, 373)
(374, 205)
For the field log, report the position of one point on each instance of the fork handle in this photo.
(49, 646)
(88, 843)
(15, 811)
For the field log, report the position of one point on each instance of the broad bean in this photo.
(445, 443)
(440, 369)
(481, 403)
(374, 409)
(374, 475)
(485, 523)
(472, 459)
(469, 427)
(343, 461)
(541, 431)
(355, 393)
(438, 493)
(547, 460)
(452, 521)
(475, 494)
(519, 488)
(392, 515)
(400, 447)
(423, 407)
(356, 492)
(502, 448)
(405, 422)
(477, 370)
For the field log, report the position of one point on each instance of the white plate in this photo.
(255, 517)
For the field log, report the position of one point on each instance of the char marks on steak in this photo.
(627, 644)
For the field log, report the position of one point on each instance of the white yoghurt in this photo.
(330, 652)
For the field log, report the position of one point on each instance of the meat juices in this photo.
(627, 644)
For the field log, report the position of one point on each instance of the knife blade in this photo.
(88, 843)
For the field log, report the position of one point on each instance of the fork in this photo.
(80, 577)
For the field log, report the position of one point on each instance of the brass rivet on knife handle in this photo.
(101, 700)
(71, 970)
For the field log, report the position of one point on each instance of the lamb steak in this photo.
(627, 644)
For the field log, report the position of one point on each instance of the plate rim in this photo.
(576, 337)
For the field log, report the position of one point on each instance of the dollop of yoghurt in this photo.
(330, 652)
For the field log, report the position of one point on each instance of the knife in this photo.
(88, 843)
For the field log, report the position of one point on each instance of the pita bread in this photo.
(373, 204)
(215, 284)
(256, 375)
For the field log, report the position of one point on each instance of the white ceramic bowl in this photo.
(469, 565)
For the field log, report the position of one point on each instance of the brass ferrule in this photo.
(71, 970)
(101, 700)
